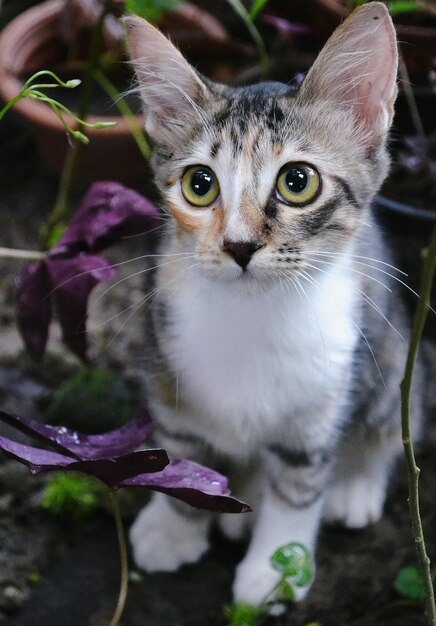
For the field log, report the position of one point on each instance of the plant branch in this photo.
(122, 596)
(26, 255)
(61, 210)
(240, 10)
(413, 470)
(126, 112)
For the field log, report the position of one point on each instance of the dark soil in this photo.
(74, 568)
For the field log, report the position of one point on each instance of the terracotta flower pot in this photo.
(32, 42)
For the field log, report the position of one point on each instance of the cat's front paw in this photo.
(355, 502)
(255, 581)
(163, 540)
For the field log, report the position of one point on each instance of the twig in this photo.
(126, 112)
(123, 560)
(27, 255)
(240, 10)
(413, 470)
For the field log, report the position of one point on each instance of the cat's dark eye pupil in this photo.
(296, 179)
(201, 182)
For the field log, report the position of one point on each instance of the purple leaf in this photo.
(192, 483)
(36, 459)
(113, 444)
(73, 280)
(109, 212)
(34, 307)
(115, 471)
(110, 471)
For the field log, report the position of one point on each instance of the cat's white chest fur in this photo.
(247, 361)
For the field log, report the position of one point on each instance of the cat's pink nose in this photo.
(241, 251)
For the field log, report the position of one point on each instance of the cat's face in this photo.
(258, 179)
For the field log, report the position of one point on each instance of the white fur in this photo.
(250, 360)
(252, 363)
(356, 496)
(163, 540)
(255, 578)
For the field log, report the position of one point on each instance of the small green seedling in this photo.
(295, 566)
(240, 614)
(32, 91)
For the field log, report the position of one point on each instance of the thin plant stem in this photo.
(26, 255)
(61, 210)
(413, 470)
(126, 112)
(240, 10)
(10, 104)
(122, 596)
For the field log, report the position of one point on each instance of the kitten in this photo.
(269, 357)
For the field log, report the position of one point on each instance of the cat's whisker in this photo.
(146, 232)
(357, 256)
(364, 223)
(136, 308)
(351, 269)
(359, 330)
(142, 271)
(117, 315)
(370, 302)
(112, 265)
(376, 308)
(398, 280)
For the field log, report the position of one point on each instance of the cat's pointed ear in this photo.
(171, 90)
(357, 69)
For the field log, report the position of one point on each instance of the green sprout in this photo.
(295, 566)
(31, 90)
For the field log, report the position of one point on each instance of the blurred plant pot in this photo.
(31, 42)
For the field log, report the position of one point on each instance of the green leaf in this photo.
(403, 6)
(257, 7)
(240, 10)
(240, 614)
(285, 591)
(152, 10)
(410, 584)
(293, 561)
(56, 234)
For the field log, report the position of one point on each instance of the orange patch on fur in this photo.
(186, 221)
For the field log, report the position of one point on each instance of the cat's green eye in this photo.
(298, 184)
(200, 186)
